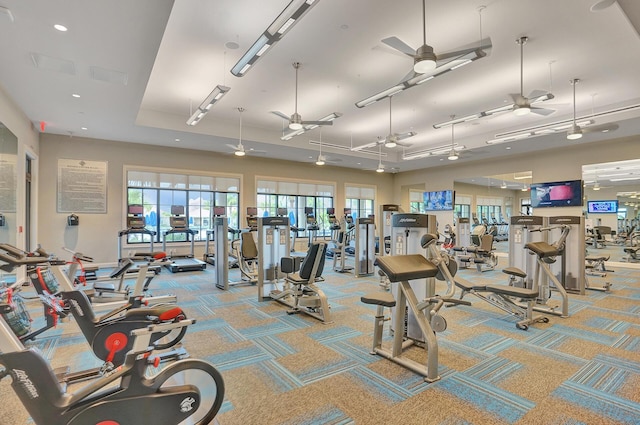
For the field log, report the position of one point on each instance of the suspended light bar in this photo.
(207, 104)
(274, 33)
(457, 120)
(440, 150)
(418, 79)
(537, 131)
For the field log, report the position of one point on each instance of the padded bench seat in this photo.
(512, 291)
(384, 299)
(542, 249)
(598, 258)
(406, 267)
(514, 271)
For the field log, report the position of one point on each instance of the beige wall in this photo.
(28, 143)
(97, 233)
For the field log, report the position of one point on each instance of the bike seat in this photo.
(163, 312)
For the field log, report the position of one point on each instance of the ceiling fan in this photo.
(323, 159)
(424, 58)
(239, 149)
(391, 140)
(521, 104)
(295, 120)
(576, 131)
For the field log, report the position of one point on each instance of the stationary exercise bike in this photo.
(108, 335)
(185, 392)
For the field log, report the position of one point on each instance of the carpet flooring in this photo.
(293, 369)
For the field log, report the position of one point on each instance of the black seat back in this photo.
(317, 249)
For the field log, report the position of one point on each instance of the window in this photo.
(416, 201)
(525, 206)
(295, 197)
(489, 210)
(198, 194)
(361, 200)
(462, 206)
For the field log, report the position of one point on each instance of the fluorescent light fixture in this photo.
(419, 78)
(625, 179)
(60, 28)
(291, 14)
(217, 94)
(293, 133)
(439, 150)
(553, 127)
(523, 176)
(457, 120)
(509, 139)
(498, 110)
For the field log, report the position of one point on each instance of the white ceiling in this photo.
(162, 58)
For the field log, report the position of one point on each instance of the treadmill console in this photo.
(136, 222)
(179, 222)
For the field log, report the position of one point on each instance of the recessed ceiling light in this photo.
(508, 148)
(231, 45)
(177, 140)
(76, 95)
(83, 128)
(60, 27)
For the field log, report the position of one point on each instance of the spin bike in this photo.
(108, 335)
(185, 392)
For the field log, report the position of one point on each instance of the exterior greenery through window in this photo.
(361, 200)
(416, 202)
(198, 194)
(295, 197)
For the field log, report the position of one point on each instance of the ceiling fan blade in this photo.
(365, 146)
(517, 98)
(281, 115)
(235, 147)
(463, 50)
(406, 135)
(317, 123)
(601, 128)
(400, 45)
(542, 111)
(538, 93)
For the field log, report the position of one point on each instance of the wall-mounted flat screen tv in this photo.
(602, 207)
(557, 194)
(441, 200)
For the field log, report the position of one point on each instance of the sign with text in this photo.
(82, 186)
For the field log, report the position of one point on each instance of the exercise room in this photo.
(309, 212)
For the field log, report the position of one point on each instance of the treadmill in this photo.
(182, 263)
(136, 226)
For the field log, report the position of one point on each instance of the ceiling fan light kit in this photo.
(291, 14)
(218, 92)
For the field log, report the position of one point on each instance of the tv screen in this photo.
(331, 211)
(219, 211)
(557, 194)
(347, 211)
(441, 200)
(177, 209)
(602, 207)
(251, 211)
(308, 210)
(136, 209)
(281, 211)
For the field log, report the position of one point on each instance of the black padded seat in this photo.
(542, 249)
(598, 258)
(121, 269)
(406, 267)
(630, 250)
(425, 239)
(514, 271)
(384, 299)
(104, 286)
(512, 291)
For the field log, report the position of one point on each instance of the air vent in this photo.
(109, 75)
(50, 63)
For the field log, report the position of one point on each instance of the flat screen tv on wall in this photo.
(441, 200)
(602, 207)
(557, 194)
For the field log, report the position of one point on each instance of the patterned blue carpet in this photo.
(292, 369)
